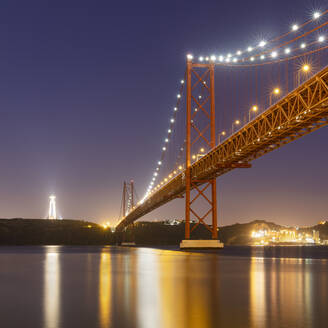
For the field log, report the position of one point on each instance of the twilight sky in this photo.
(86, 89)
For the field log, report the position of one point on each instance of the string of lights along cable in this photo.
(248, 81)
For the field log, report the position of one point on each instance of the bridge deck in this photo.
(301, 112)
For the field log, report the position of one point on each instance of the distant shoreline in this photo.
(18, 231)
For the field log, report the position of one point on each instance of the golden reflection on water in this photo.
(184, 295)
(105, 289)
(257, 292)
(52, 287)
(150, 288)
(148, 300)
(281, 291)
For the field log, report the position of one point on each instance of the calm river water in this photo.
(68, 287)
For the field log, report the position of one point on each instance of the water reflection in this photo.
(257, 292)
(52, 287)
(146, 288)
(282, 292)
(105, 289)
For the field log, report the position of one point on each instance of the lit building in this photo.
(266, 236)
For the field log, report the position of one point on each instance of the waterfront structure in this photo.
(52, 215)
(267, 236)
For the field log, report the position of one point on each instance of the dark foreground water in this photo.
(68, 287)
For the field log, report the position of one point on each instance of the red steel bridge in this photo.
(287, 79)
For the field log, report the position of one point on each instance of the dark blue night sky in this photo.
(86, 89)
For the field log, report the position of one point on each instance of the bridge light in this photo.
(287, 51)
(237, 122)
(202, 150)
(182, 81)
(262, 44)
(169, 130)
(190, 57)
(174, 172)
(262, 57)
(295, 27)
(165, 179)
(276, 91)
(159, 163)
(321, 38)
(178, 96)
(193, 156)
(303, 45)
(170, 176)
(213, 58)
(223, 133)
(252, 58)
(238, 53)
(316, 15)
(164, 148)
(172, 120)
(175, 109)
(166, 140)
(255, 108)
(249, 49)
(221, 58)
(201, 58)
(235, 60)
(306, 68)
(274, 54)
(180, 167)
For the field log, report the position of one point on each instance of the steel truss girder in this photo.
(301, 112)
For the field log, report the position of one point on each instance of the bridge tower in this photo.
(200, 100)
(129, 197)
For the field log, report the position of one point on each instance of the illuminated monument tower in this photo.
(52, 208)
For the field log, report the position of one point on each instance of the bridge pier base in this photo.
(201, 244)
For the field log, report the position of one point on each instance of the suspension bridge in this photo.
(284, 84)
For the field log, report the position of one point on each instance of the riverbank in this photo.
(52, 232)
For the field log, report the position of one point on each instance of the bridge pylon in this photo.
(200, 100)
(129, 197)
